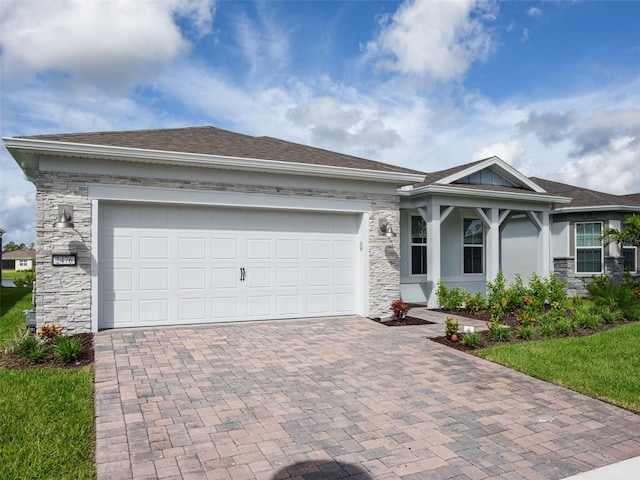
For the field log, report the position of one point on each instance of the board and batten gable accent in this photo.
(64, 295)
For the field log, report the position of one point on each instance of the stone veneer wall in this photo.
(63, 294)
(564, 269)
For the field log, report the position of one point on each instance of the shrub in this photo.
(603, 292)
(515, 295)
(31, 348)
(10, 344)
(471, 340)
(25, 278)
(538, 292)
(563, 326)
(610, 314)
(525, 332)
(586, 316)
(398, 308)
(497, 291)
(67, 349)
(557, 291)
(476, 304)
(499, 332)
(451, 327)
(450, 298)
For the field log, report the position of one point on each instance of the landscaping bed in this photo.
(512, 322)
(17, 362)
(400, 322)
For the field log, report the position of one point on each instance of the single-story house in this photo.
(197, 225)
(19, 260)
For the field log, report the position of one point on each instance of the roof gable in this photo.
(491, 171)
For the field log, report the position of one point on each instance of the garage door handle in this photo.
(242, 274)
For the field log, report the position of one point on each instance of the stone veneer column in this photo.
(63, 294)
(384, 258)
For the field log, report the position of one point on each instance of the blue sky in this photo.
(551, 87)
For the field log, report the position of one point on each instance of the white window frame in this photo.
(412, 244)
(23, 263)
(473, 245)
(601, 247)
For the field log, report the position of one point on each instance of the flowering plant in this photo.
(398, 308)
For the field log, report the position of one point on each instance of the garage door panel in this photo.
(259, 277)
(318, 277)
(153, 279)
(288, 277)
(192, 278)
(193, 309)
(154, 311)
(287, 305)
(259, 249)
(225, 308)
(225, 277)
(192, 248)
(259, 306)
(319, 304)
(225, 248)
(230, 265)
(156, 248)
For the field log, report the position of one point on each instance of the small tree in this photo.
(630, 235)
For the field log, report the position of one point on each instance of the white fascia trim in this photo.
(128, 193)
(597, 208)
(491, 161)
(461, 192)
(211, 161)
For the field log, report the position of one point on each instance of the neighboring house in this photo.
(19, 260)
(576, 249)
(197, 225)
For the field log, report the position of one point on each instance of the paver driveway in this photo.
(335, 398)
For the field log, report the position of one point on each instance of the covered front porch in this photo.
(464, 226)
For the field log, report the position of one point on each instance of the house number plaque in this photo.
(63, 259)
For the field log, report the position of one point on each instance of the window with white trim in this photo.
(630, 254)
(473, 245)
(418, 245)
(589, 251)
(24, 263)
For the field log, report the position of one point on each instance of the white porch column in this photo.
(493, 244)
(544, 237)
(431, 216)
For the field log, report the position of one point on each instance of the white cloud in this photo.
(510, 151)
(18, 218)
(112, 43)
(614, 171)
(435, 39)
(534, 12)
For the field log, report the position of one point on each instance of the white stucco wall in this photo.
(520, 249)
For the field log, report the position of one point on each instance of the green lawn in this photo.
(46, 414)
(9, 274)
(605, 365)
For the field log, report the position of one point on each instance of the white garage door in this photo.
(167, 265)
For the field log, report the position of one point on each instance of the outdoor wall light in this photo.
(387, 231)
(64, 218)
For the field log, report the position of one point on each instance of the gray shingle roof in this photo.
(20, 255)
(584, 197)
(215, 141)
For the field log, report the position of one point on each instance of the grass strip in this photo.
(46, 424)
(12, 302)
(603, 366)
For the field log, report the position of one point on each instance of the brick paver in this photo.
(335, 398)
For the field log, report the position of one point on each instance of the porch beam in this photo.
(544, 241)
(535, 219)
(492, 257)
(504, 215)
(433, 219)
(445, 213)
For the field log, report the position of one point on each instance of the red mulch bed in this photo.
(407, 320)
(16, 362)
(486, 341)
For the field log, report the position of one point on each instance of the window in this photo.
(630, 258)
(418, 245)
(473, 246)
(589, 247)
(24, 263)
